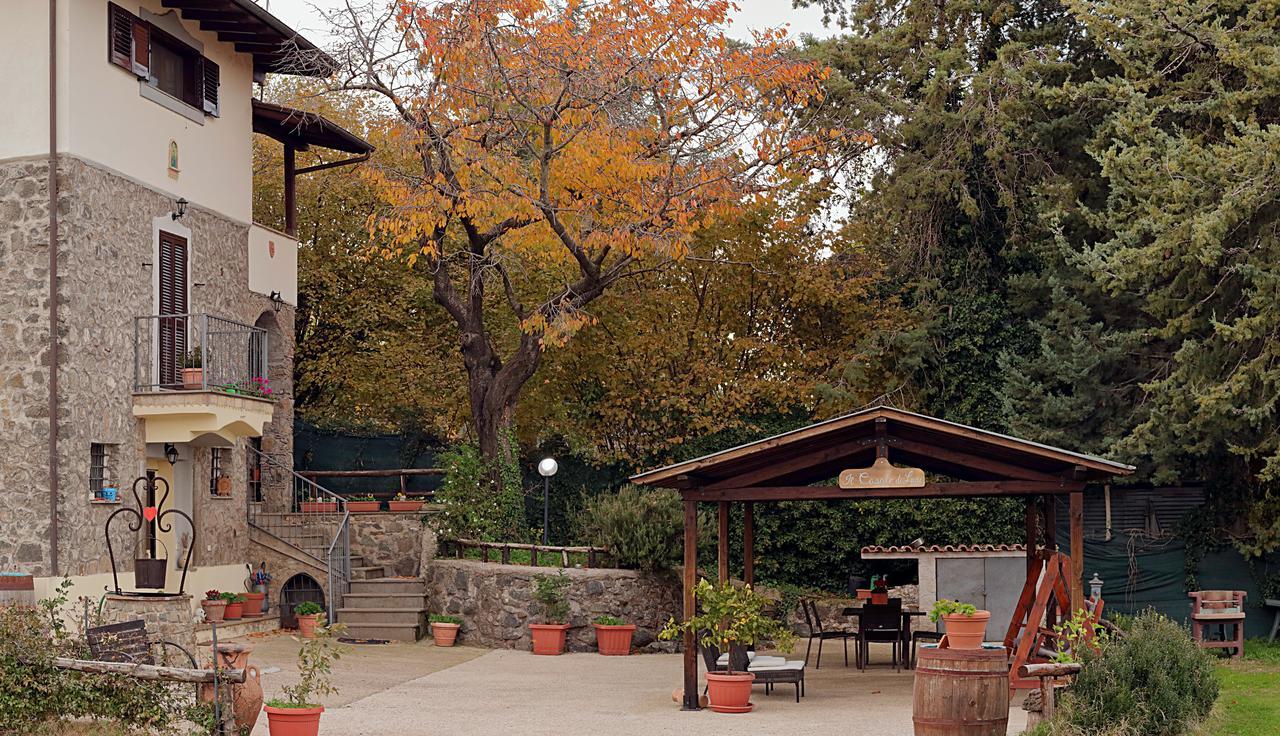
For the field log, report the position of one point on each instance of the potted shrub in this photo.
(965, 625)
(362, 504)
(880, 591)
(548, 636)
(731, 620)
(193, 370)
(444, 629)
(298, 712)
(308, 613)
(235, 606)
(214, 605)
(613, 635)
(402, 503)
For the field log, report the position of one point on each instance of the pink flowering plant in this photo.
(256, 386)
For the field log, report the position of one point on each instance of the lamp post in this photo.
(546, 469)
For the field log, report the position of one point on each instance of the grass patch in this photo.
(1249, 704)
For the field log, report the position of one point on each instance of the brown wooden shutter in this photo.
(211, 77)
(141, 48)
(128, 41)
(173, 308)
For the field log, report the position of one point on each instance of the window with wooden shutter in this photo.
(173, 309)
(212, 78)
(128, 41)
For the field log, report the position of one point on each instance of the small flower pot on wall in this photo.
(307, 625)
(730, 693)
(318, 507)
(363, 507)
(445, 634)
(966, 632)
(548, 638)
(614, 641)
(404, 505)
(293, 721)
(214, 610)
(192, 379)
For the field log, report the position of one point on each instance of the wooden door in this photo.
(173, 309)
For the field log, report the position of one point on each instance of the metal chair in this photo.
(816, 631)
(881, 624)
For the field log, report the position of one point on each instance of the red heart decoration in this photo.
(149, 513)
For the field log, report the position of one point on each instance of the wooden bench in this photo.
(128, 642)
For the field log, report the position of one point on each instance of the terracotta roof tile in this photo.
(960, 548)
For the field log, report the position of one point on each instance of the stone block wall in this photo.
(496, 601)
(168, 618)
(392, 540)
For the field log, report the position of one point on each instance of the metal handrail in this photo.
(232, 353)
(308, 513)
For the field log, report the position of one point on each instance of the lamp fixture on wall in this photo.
(170, 453)
(277, 300)
(180, 209)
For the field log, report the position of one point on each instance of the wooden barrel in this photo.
(17, 588)
(961, 692)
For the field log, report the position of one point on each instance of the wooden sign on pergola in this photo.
(879, 453)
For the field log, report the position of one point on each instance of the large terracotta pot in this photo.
(246, 698)
(307, 625)
(253, 604)
(294, 721)
(214, 610)
(404, 505)
(548, 638)
(614, 640)
(234, 611)
(445, 634)
(363, 507)
(966, 632)
(730, 693)
(318, 507)
(193, 379)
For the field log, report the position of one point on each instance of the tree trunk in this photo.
(494, 390)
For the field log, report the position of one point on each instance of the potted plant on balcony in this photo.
(731, 620)
(965, 625)
(444, 629)
(235, 606)
(613, 635)
(549, 636)
(193, 370)
(403, 503)
(318, 505)
(308, 613)
(298, 713)
(363, 503)
(214, 605)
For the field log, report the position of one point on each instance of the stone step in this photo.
(379, 616)
(394, 632)
(364, 573)
(411, 601)
(384, 586)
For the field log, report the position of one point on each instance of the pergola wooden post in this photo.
(879, 453)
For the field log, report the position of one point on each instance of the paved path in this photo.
(507, 692)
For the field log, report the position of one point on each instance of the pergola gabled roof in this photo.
(820, 451)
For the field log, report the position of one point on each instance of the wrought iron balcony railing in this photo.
(199, 352)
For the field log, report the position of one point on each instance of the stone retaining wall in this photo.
(496, 602)
(392, 540)
(168, 618)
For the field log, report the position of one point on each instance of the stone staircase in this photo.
(384, 608)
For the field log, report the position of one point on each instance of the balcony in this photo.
(200, 378)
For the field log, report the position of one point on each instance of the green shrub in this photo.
(1154, 681)
(308, 608)
(472, 504)
(440, 618)
(609, 621)
(643, 529)
(548, 590)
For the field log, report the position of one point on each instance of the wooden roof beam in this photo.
(957, 489)
(793, 464)
(977, 462)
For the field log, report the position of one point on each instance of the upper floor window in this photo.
(161, 60)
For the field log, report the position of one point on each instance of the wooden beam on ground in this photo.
(722, 542)
(1076, 511)
(690, 579)
(928, 490)
(749, 543)
(147, 671)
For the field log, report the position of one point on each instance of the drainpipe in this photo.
(53, 287)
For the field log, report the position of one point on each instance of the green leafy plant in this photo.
(230, 597)
(440, 618)
(308, 608)
(473, 503)
(194, 358)
(642, 528)
(362, 497)
(946, 607)
(731, 617)
(609, 621)
(315, 668)
(549, 591)
(1075, 634)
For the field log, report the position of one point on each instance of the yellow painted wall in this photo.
(222, 577)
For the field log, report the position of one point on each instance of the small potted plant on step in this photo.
(363, 503)
(308, 613)
(549, 636)
(235, 606)
(193, 370)
(214, 606)
(613, 635)
(444, 629)
(965, 625)
(403, 503)
(298, 712)
(732, 619)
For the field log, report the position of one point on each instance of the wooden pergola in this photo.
(879, 453)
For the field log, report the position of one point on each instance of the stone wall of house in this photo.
(496, 601)
(392, 540)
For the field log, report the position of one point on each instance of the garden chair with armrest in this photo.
(819, 632)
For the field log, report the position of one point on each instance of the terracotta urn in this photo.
(246, 698)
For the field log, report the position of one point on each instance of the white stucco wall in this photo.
(105, 119)
(273, 263)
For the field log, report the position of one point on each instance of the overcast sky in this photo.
(301, 15)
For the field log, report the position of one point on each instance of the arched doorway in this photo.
(298, 589)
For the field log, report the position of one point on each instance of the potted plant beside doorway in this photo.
(732, 619)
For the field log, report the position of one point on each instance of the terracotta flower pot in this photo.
(193, 379)
(548, 638)
(864, 594)
(293, 721)
(307, 625)
(445, 634)
(214, 610)
(966, 632)
(318, 507)
(253, 604)
(730, 693)
(614, 640)
(234, 611)
(404, 505)
(879, 599)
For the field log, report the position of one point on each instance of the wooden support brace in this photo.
(147, 671)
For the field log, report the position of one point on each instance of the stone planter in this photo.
(548, 638)
(614, 641)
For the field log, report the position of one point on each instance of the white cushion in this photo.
(752, 660)
(786, 665)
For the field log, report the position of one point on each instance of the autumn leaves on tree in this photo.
(553, 150)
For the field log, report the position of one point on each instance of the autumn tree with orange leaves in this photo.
(560, 147)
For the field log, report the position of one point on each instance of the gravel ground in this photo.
(411, 690)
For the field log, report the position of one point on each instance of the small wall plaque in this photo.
(173, 159)
(881, 474)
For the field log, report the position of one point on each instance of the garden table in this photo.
(907, 615)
